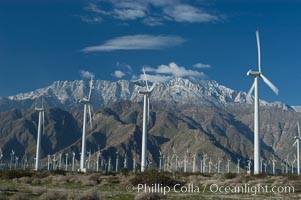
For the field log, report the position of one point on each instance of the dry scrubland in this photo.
(56, 185)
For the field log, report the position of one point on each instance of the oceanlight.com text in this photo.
(213, 188)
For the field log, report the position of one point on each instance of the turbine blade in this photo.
(251, 90)
(145, 78)
(90, 90)
(295, 142)
(43, 115)
(148, 102)
(270, 84)
(258, 49)
(152, 88)
(90, 116)
(298, 129)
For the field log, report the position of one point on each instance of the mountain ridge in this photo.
(66, 94)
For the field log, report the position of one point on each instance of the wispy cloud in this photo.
(202, 66)
(166, 72)
(123, 70)
(86, 74)
(119, 74)
(92, 20)
(137, 42)
(187, 13)
(152, 12)
(127, 69)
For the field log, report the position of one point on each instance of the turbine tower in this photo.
(297, 142)
(254, 87)
(86, 102)
(146, 103)
(40, 129)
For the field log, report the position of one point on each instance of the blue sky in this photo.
(45, 41)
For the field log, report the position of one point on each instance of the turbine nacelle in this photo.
(143, 91)
(39, 109)
(253, 73)
(84, 101)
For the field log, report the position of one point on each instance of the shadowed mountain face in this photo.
(221, 132)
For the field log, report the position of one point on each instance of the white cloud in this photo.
(129, 14)
(119, 74)
(175, 70)
(166, 72)
(202, 66)
(135, 42)
(152, 12)
(155, 77)
(123, 70)
(187, 13)
(86, 74)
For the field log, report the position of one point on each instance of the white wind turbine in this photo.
(146, 104)
(273, 164)
(40, 129)
(254, 87)
(297, 142)
(87, 103)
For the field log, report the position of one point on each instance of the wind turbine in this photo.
(228, 165)
(194, 163)
(48, 162)
(66, 164)
(11, 159)
(273, 164)
(86, 102)
(254, 87)
(40, 129)
(209, 166)
(73, 160)
(205, 157)
(297, 142)
(1, 156)
(146, 104)
(238, 165)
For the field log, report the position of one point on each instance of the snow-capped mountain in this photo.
(66, 94)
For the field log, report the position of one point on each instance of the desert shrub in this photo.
(95, 177)
(53, 195)
(38, 190)
(230, 176)
(59, 179)
(125, 172)
(11, 174)
(206, 175)
(20, 197)
(114, 180)
(89, 195)
(86, 181)
(260, 176)
(36, 181)
(154, 177)
(58, 172)
(26, 180)
(293, 177)
(3, 197)
(150, 196)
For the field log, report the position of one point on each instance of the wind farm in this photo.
(149, 99)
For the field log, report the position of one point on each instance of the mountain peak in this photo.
(179, 90)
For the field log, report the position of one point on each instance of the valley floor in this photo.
(21, 185)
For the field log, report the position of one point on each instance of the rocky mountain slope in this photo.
(201, 117)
